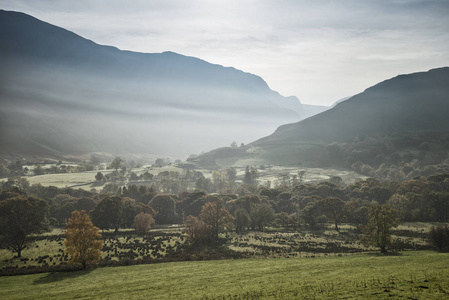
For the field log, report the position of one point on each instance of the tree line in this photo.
(28, 209)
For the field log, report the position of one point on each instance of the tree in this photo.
(217, 217)
(164, 205)
(334, 209)
(232, 176)
(108, 213)
(283, 219)
(378, 230)
(242, 219)
(220, 179)
(143, 222)
(4, 172)
(86, 203)
(21, 216)
(147, 176)
(262, 215)
(114, 212)
(117, 163)
(203, 183)
(16, 182)
(439, 237)
(61, 208)
(83, 241)
(197, 231)
(110, 189)
(311, 212)
(401, 205)
(247, 179)
(38, 170)
(99, 177)
(160, 162)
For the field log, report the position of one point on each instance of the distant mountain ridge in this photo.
(57, 89)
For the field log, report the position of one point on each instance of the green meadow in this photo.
(406, 275)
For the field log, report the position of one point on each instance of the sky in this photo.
(319, 51)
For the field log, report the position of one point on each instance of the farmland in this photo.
(167, 243)
(86, 180)
(412, 275)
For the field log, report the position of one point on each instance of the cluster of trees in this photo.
(13, 169)
(248, 206)
(212, 220)
(420, 199)
(394, 157)
(20, 168)
(172, 182)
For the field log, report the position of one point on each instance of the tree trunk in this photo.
(336, 226)
(84, 265)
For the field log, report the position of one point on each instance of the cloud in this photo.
(320, 51)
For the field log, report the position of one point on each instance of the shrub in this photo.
(439, 237)
(143, 222)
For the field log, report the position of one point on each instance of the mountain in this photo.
(395, 121)
(414, 102)
(63, 94)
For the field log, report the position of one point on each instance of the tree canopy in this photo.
(83, 241)
(21, 216)
(217, 217)
(378, 230)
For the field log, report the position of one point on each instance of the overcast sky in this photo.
(319, 51)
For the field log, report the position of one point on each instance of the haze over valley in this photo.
(62, 94)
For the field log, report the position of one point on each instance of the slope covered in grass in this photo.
(418, 275)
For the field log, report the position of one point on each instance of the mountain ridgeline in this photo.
(401, 123)
(63, 94)
(414, 102)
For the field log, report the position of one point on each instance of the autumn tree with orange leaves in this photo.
(83, 240)
(217, 217)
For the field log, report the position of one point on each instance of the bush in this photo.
(439, 237)
(143, 222)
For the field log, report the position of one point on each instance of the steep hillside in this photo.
(63, 94)
(415, 102)
(395, 121)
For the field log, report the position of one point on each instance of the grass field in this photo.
(407, 275)
(86, 180)
(163, 241)
(82, 180)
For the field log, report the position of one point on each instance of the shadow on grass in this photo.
(59, 276)
(379, 254)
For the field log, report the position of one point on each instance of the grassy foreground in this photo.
(412, 275)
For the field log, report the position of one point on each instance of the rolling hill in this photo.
(62, 94)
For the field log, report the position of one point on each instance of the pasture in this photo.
(408, 275)
(323, 241)
(86, 180)
(167, 243)
(125, 247)
(83, 180)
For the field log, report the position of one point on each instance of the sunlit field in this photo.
(409, 275)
